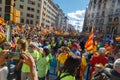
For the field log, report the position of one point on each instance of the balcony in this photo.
(117, 13)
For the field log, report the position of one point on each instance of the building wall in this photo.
(60, 19)
(102, 14)
(43, 12)
(30, 11)
(49, 13)
(2, 8)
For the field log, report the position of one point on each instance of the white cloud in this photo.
(78, 15)
(77, 24)
(77, 19)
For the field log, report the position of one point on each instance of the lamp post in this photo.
(115, 23)
(65, 21)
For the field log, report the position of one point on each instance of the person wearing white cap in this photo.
(108, 73)
(101, 58)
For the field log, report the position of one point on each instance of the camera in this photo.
(13, 55)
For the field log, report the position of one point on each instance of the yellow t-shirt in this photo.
(0, 49)
(68, 77)
(63, 56)
(25, 67)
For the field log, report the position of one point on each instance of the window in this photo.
(103, 13)
(99, 6)
(101, 21)
(33, 3)
(100, 1)
(36, 22)
(45, 3)
(118, 3)
(96, 21)
(92, 15)
(105, 0)
(116, 19)
(22, 0)
(111, 12)
(94, 7)
(97, 14)
(29, 1)
(28, 15)
(113, 3)
(27, 21)
(0, 1)
(37, 17)
(108, 30)
(38, 4)
(32, 9)
(38, 11)
(31, 22)
(0, 9)
(28, 8)
(110, 19)
(21, 13)
(94, 1)
(32, 16)
(22, 21)
(117, 11)
(104, 6)
(21, 6)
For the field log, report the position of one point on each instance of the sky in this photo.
(74, 10)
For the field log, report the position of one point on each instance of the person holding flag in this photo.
(91, 48)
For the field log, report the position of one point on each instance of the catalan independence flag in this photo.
(89, 45)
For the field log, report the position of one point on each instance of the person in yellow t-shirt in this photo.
(63, 56)
(25, 68)
(70, 68)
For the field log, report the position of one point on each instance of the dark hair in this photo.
(46, 50)
(71, 64)
(5, 44)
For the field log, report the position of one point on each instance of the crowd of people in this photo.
(30, 54)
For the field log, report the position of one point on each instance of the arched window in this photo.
(101, 21)
(116, 19)
(100, 1)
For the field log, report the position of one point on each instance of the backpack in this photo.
(60, 77)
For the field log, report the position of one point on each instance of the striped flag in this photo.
(90, 47)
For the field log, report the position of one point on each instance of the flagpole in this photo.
(89, 46)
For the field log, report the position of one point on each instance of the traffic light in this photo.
(8, 17)
(9, 10)
(9, 2)
(16, 16)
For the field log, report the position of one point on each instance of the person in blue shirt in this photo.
(75, 49)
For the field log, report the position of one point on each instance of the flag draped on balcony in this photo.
(90, 46)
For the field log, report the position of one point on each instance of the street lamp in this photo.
(65, 21)
(115, 23)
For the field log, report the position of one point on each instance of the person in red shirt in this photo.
(99, 59)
